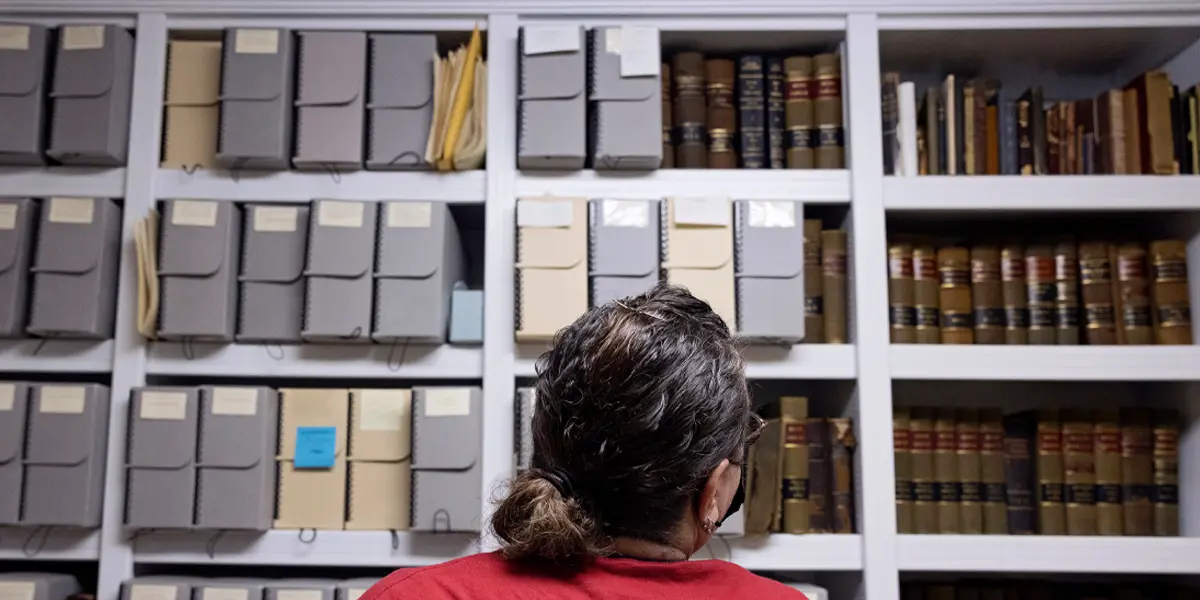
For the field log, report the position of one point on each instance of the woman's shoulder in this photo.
(423, 581)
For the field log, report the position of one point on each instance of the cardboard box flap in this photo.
(255, 63)
(411, 238)
(551, 232)
(311, 408)
(162, 427)
(193, 73)
(557, 73)
(13, 403)
(83, 70)
(64, 421)
(72, 235)
(447, 428)
(22, 69)
(239, 425)
(331, 67)
(195, 237)
(771, 238)
(341, 238)
(12, 240)
(380, 425)
(401, 70)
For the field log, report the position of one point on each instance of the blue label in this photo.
(316, 447)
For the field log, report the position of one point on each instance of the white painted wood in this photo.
(1045, 363)
(816, 187)
(803, 361)
(365, 361)
(1059, 193)
(56, 356)
(43, 182)
(293, 186)
(1048, 554)
(40, 544)
(285, 547)
(819, 552)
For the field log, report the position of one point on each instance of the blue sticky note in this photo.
(316, 447)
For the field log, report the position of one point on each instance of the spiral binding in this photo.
(280, 488)
(518, 279)
(244, 255)
(313, 222)
(301, 113)
(201, 421)
(227, 52)
(591, 249)
(739, 218)
(664, 223)
(594, 141)
(130, 435)
(418, 407)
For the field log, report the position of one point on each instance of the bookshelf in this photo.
(1077, 47)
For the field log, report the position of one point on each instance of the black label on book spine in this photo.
(1019, 498)
(948, 491)
(1175, 315)
(1068, 316)
(1099, 316)
(1016, 317)
(814, 306)
(924, 491)
(1136, 492)
(1045, 292)
(990, 317)
(829, 137)
(799, 137)
(1135, 316)
(994, 493)
(971, 491)
(957, 320)
(902, 316)
(1165, 494)
(795, 488)
(720, 140)
(928, 316)
(1041, 317)
(1052, 493)
(690, 133)
(904, 491)
(1081, 494)
(1108, 493)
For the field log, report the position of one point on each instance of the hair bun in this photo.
(537, 520)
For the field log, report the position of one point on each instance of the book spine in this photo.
(969, 146)
(1019, 435)
(902, 315)
(1079, 471)
(944, 143)
(793, 413)
(1134, 295)
(1071, 140)
(1016, 304)
(970, 471)
(925, 295)
(1118, 153)
(908, 158)
(1052, 514)
(1066, 295)
(776, 113)
(814, 284)
(799, 91)
(902, 450)
(833, 266)
(954, 297)
(1166, 473)
(751, 97)
(842, 443)
(1009, 139)
(891, 118)
(691, 150)
(828, 111)
(1171, 314)
(924, 475)
(1137, 471)
(1037, 115)
(1053, 143)
(1041, 291)
(1134, 120)
(1109, 516)
(961, 116)
(820, 496)
(1025, 136)
(721, 114)
(668, 160)
(1118, 301)
(1095, 278)
(991, 460)
(932, 108)
(945, 467)
(987, 293)
(1157, 132)
(990, 118)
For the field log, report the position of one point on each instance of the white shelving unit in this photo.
(867, 31)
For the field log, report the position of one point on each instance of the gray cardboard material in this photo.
(16, 253)
(338, 275)
(769, 269)
(326, 588)
(624, 243)
(447, 469)
(65, 452)
(160, 486)
(236, 474)
(197, 271)
(92, 92)
(330, 91)
(626, 112)
(23, 108)
(400, 101)
(272, 278)
(12, 451)
(418, 260)
(46, 586)
(256, 99)
(551, 119)
(466, 316)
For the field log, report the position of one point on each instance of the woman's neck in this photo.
(647, 550)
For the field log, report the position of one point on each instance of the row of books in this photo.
(783, 112)
(1043, 590)
(968, 127)
(1041, 294)
(1049, 472)
(800, 473)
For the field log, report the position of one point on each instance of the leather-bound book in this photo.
(799, 94)
(970, 471)
(1085, 123)
(828, 111)
(1041, 291)
(814, 284)
(691, 139)
(1137, 471)
(1110, 133)
(1025, 135)
(776, 113)
(945, 471)
(1079, 471)
(1109, 515)
(841, 459)
(1171, 314)
(1134, 296)
(954, 295)
(833, 265)
(902, 452)
(1020, 431)
(1095, 281)
(1066, 295)
(901, 313)
(991, 461)
(722, 118)
(969, 143)
(926, 292)
(793, 414)
(1016, 303)
(987, 127)
(1118, 301)
(987, 294)
(1052, 513)
(1037, 118)
(1166, 473)
(949, 124)
(1132, 102)
(820, 490)
(891, 118)
(924, 476)
(1068, 156)
(1155, 136)
(668, 160)
(1053, 142)
(752, 111)
(764, 481)
(934, 122)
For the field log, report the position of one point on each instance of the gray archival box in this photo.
(624, 242)
(274, 246)
(23, 106)
(160, 465)
(446, 460)
(626, 111)
(92, 92)
(341, 251)
(12, 449)
(769, 269)
(16, 251)
(197, 270)
(400, 104)
(552, 108)
(329, 99)
(236, 482)
(256, 99)
(418, 260)
(65, 450)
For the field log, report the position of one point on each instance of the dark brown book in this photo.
(987, 294)
(1069, 157)
(991, 461)
(1041, 292)
(828, 111)
(1085, 124)
(933, 114)
(691, 139)
(814, 284)
(793, 416)
(752, 111)
(954, 295)
(979, 113)
(1020, 433)
(820, 490)
(1131, 103)
(1134, 295)
(722, 118)
(924, 476)
(1066, 296)
(1037, 130)
(764, 483)
(1117, 300)
(1110, 133)
(940, 592)
(1025, 135)
(842, 444)
(1137, 471)
(1095, 281)
(1052, 514)
(902, 453)
(1166, 473)
(1155, 135)
(799, 93)
(1171, 312)
(1109, 515)
(1016, 303)
(970, 471)
(926, 290)
(776, 114)
(888, 90)
(668, 160)
(1079, 471)
(833, 266)
(987, 126)
(945, 468)
(1053, 142)
(902, 315)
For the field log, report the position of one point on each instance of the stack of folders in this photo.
(53, 439)
(174, 587)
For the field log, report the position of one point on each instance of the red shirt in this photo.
(487, 576)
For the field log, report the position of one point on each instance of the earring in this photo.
(709, 526)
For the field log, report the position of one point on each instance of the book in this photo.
(932, 122)
(1155, 135)
(1110, 133)
(752, 107)
(902, 455)
(764, 481)
(926, 292)
(1171, 307)
(1016, 304)
(691, 139)
(987, 294)
(945, 149)
(1166, 473)
(1066, 295)
(1041, 292)
(1069, 154)
(970, 471)
(1134, 295)
(721, 116)
(968, 121)
(1079, 471)
(841, 459)
(1085, 115)
(1009, 139)
(1117, 299)
(1131, 102)
(1137, 471)
(1037, 130)
(907, 161)
(1052, 516)
(668, 159)
(991, 461)
(945, 468)
(776, 114)
(889, 92)
(820, 491)
(828, 111)
(989, 159)
(1024, 134)
(1053, 141)
(924, 475)
(799, 92)
(814, 284)
(1180, 124)
(833, 266)
(950, 131)
(793, 415)
(902, 315)
(1095, 279)
(1107, 434)
(954, 296)
(1020, 431)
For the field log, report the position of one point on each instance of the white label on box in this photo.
(216, 593)
(541, 213)
(256, 41)
(701, 211)
(14, 37)
(639, 52)
(163, 406)
(447, 402)
(143, 591)
(548, 39)
(340, 214)
(8, 216)
(625, 213)
(241, 402)
(382, 410)
(16, 590)
(72, 210)
(356, 593)
(275, 218)
(409, 214)
(194, 213)
(8, 396)
(83, 37)
(772, 213)
(61, 399)
(298, 595)
(612, 40)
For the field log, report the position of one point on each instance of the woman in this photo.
(642, 425)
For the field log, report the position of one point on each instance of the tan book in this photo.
(1134, 295)
(1137, 471)
(1096, 284)
(1016, 304)
(902, 451)
(1079, 471)
(820, 476)
(954, 295)
(991, 461)
(814, 283)
(1041, 292)
(901, 313)
(1171, 310)
(924, 477)
(764, 510)
(987, 294)
(799, 92)
(1117, 301)
(925, 295)
(1066, 296)
(1166, 473)
(833, 266)
(827, 111)
(841, 457)
(1109, 514)
(945, 470)
(1133, 133)
(793, 412)
(1052, 515)
(1156, 133)
(970, 471)
(968, 108)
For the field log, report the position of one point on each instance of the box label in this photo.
(83, 37)
(163, 406)
(8, 396)
(543, 213)
(625, 213)
(409, 214)
(8, 216)
(275, 218)
(194, 213)
(241, 402)
(153, 592)
(14, 37)
(639, 50)
(772, 213)
(548, 39)
(256, 41)
(447, 402)
(298, 595)
(382, 410)
(16, 590)
(340, 214)
(701, 211)
(316, 447)
(79, 211)
(61, 399)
